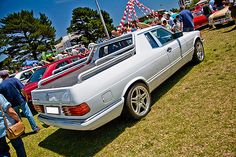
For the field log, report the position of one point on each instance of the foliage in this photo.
(174, 10)
(21, 31)
(87, 21)
(192, 5)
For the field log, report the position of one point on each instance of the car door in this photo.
(170, 45)
(155, 58)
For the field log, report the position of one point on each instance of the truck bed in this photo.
(67, 80)
(91, 68)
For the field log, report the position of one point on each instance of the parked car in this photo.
(199, 19)
(24, 75)
(220, 17)
(47, 71)
(121, 75)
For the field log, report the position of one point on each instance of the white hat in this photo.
(4, 72)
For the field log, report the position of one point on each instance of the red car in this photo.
(47, 71)
(199, 20)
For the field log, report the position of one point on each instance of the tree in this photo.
(23, 32)
(87, 22)
(192, 5)
(174, 10)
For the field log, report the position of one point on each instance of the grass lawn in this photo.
(193, 114)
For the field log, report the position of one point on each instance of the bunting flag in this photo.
(131, 15)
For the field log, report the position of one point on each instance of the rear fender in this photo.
(133, 81)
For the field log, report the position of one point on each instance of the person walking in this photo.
(186, 20)
(11, 89)
(12, 118)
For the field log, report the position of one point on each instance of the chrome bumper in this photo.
(221, 21)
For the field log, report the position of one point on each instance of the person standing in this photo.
(11, 89)
(219, 4)
(166, 25)
(232, 8)
(169, 20)
(186, 20)
(176, 26)
(206, 10)
(212, 4)
(12, 117)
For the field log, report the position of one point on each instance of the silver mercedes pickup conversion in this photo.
(117, 77)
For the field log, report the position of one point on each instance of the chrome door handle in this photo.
(169, 49)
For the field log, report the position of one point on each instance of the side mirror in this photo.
(177, 35)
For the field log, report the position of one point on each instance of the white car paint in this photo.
(104, 91)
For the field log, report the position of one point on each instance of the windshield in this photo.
(38, 74)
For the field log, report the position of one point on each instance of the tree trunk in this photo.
(34, 49)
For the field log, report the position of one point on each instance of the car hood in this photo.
(220, 13)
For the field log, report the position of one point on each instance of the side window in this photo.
(62, 64)
(163, 35)
(151, 41)
(26, 75)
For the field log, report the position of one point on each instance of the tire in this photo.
(138, 101)
(199, 53)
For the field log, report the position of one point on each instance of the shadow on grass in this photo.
(233, 29)
(170, 82)
(85, 143)
(88, 143)
(224, 25)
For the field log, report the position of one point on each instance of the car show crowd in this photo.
(184, 20)
(12, 98)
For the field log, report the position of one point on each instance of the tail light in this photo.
(39, 108)
(78, 110)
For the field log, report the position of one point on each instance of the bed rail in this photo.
(64, 69)
(103, 66)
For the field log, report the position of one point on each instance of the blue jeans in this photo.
(28, 114)
(4, 148)
(19, 147)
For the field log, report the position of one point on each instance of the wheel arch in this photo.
(132, 82)
(196, 39)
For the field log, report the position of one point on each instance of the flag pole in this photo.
(104, 25)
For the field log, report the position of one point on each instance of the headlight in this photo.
(59, 96)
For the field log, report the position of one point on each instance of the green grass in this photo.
(193, 114)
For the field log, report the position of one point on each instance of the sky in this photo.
(60, 11)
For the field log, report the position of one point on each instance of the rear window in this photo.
(38, 74)
(113, 47)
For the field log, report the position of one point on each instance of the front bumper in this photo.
(222, 21)
(91, 123)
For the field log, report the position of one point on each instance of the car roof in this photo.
(58, 61)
